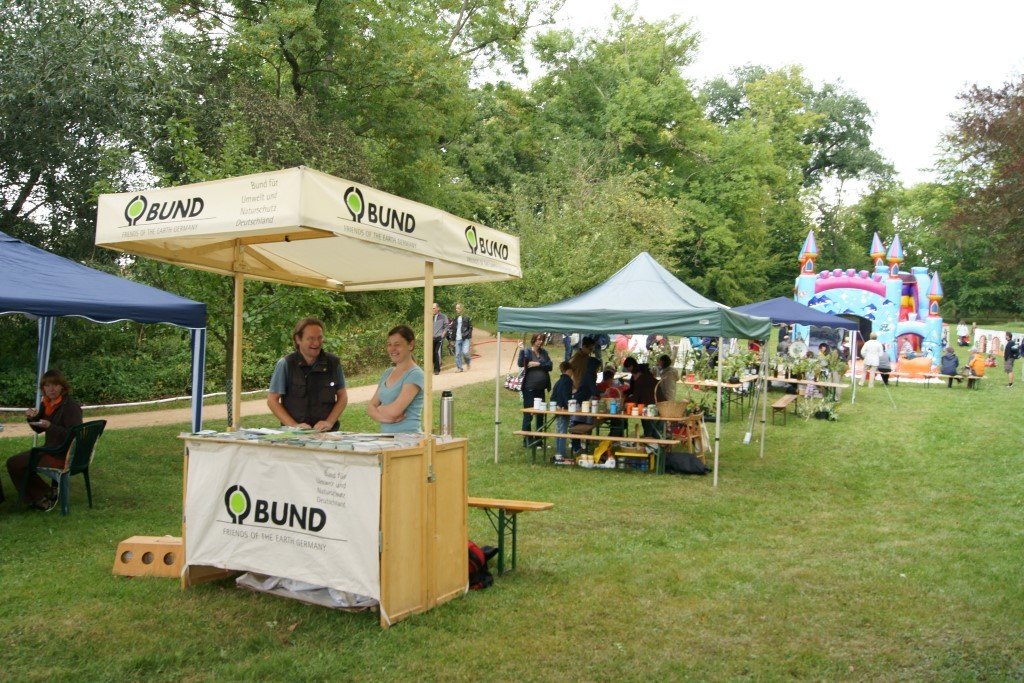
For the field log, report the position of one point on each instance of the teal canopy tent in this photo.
(641, 298)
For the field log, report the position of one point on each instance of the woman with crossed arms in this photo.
(397, 404)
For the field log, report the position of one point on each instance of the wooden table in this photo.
(733, 392)
(833, 387)
(599, 418)
(928, 376)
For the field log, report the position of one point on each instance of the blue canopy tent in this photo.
(42, 285)
(784, 310)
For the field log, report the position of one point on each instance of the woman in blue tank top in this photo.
(398, 401)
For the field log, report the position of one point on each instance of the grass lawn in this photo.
(886, 546)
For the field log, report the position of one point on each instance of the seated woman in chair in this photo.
(57, 414)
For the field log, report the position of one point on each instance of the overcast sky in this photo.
(906, 59)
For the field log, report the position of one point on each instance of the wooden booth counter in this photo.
(379, 523)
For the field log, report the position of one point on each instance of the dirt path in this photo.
(482, 369)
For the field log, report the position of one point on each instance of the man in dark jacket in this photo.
(1011, 352)
(460, 331)
(307, 388)
(441, 323)
(948, 366)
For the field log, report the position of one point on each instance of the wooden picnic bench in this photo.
(780, 405)
(935, 375)
(504, 515)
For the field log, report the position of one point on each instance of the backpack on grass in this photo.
(479, 575)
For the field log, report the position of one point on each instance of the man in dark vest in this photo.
(307, 388)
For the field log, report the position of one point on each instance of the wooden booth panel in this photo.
(423, 529)
(451, 576)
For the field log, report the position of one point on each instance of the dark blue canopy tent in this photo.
(38, 284)
(784, 310)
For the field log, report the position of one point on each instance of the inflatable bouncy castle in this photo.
(902, 307)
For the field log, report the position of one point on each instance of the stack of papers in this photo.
(342, 441)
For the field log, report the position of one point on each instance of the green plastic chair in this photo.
(80, 446)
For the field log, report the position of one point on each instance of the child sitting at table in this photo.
(612, 391)
(560, 395)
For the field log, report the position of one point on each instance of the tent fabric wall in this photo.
(37, 283)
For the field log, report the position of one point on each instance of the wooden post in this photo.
(236, 353)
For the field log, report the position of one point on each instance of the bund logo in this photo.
(485, 247)
(140, 209)
(238, 503)
(135, 209)
(265, 512)
(353, 199)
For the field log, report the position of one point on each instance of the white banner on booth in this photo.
(298, 513)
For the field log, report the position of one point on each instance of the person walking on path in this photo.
(307, 388)
(462, 334)
(1011, 352)
(440, 327)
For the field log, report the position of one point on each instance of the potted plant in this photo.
(738, 364)
(820, 408)
(803, 367)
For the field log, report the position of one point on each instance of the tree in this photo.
(625, 90)
(75, 78)
(396, 75)
(985, 161)
(813, 139)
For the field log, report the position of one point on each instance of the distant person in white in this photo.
(871, 352)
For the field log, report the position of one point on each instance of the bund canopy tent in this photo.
(784, 310)
(302, 227)
(641, 298)
(36, 283)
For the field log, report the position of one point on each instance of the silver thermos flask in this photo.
(447, 414)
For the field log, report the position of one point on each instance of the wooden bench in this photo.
(780, 407)
(504, 515)
(935, 375)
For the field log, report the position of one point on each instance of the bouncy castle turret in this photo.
(934, 296)
(808, 254)
(895, 257)
(877, 251)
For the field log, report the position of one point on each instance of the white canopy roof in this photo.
(302, 227)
